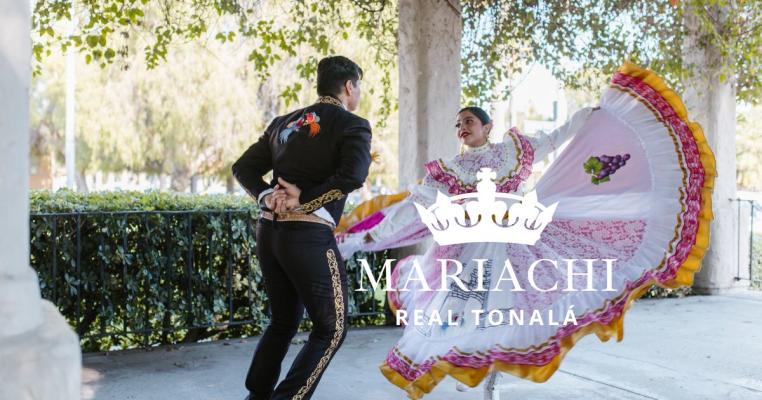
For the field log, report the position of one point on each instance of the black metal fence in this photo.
(749, 238)
(131, 278)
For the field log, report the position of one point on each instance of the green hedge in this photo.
(151, 267)
(45, 201)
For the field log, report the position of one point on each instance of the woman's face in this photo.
(470, 130)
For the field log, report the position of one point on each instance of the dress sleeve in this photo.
(545, 143)
(401, 225)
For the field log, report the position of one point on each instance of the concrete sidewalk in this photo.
(699, 347)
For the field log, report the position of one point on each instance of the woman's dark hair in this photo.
(481, 114)
(333, 72)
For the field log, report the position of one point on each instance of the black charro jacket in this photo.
(326, 167)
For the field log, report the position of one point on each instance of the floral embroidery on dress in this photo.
(602, 167)
(310, 119)
(512, 163)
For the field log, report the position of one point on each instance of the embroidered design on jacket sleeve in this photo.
(327, 197)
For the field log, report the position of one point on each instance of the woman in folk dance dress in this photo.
(633, 185)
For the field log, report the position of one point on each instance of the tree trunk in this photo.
(194, 184)
(180, 179)
(712, 103)
(81, 182)
(229, 183)
(162, 181)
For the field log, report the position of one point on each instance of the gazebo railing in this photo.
(749, 239)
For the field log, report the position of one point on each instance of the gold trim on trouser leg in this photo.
(338, 303)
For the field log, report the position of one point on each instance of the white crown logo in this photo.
(485, 219)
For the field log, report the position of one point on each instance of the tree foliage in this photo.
(572, 38)
(500, 36)
(193, 113)
(580, 41)
(749, 148)
(187, 118)
(106, 31)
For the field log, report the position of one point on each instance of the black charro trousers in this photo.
(302, 270)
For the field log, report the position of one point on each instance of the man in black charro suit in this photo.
(318, 155)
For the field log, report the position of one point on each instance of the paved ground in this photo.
(699, 347)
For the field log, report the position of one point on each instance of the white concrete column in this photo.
(40, 357)
(429, 79)
(19, 292)
(713, 104)
(429, 37)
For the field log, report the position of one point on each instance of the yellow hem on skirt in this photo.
(615, 329)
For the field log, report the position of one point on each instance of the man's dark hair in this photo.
(333, 72)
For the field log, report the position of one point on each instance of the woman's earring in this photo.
(462, 149)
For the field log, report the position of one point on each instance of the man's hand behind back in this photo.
(285, 197)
